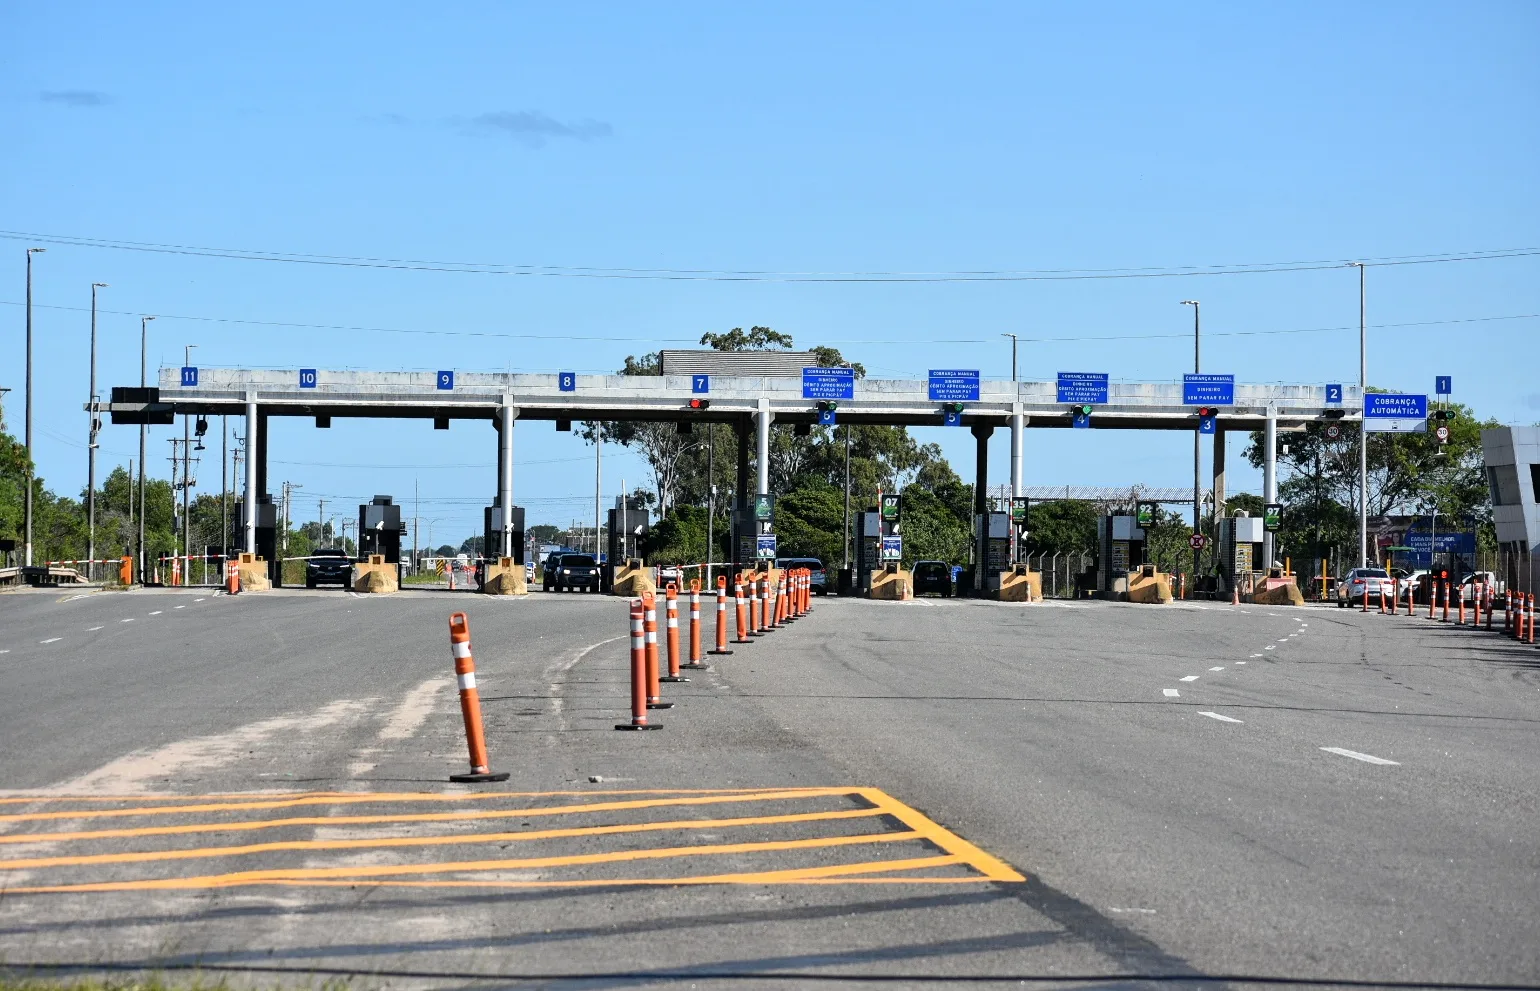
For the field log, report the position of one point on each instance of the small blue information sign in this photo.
(954, 385)
(1334, 392)
(893, 548)
(189, 377)
(764, 547)
(953, 419)
(1083, 387)
(828, 383)
(827, 418)
(567, 382)
(1082, 421)
(1208, 390)
(1206, 425)
(700, 384)
(1391, 411)
(1443, 385)
(307, 378)
(446, 380)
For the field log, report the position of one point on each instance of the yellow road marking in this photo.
(527, 863)
(450, 839)
(536, 810)
(342, 798)
(990, 866)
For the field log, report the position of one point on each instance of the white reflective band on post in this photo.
(652, 636)
(694, 614)
(467, 681)
(459, 650)
(673, 622)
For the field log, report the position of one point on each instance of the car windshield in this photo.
(330, 552)
(1372, 573)
(930, 568)
(577, 561)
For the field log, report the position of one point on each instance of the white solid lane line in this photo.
(1223, 719)
(1191, 677)
(179, 607)
(1240, 662)
(1171, 693)
(1366, 758)
(1216, 669)
(92, 629)
(128, 620)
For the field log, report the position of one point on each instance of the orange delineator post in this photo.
(697, 662)
(1395, 593)
(742, 611)
(470, 702)
(721, 647)
(672, 599)
(650, 631)
(1382, 598)
(1529, 623)
(1364, 599)
(756, 608)
(126, 570)
(1508, 611)
(1432, 597)
(232, 577)
(638, 670)
(1445, 618)
(1460, 593)
(1489, 598)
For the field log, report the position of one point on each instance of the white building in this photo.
(1512, 456)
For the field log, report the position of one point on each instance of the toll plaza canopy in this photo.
(1208, 403)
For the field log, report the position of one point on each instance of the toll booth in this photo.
(868, 550)
(629, 524)
(1240, 550)
(1120, 549)
(380, 529)
(492, 532)
(753, 532)
(267, 536)
(992, 531)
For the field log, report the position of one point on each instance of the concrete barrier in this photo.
(633, 579)
(376, 575)
(1020, 584)
(505, 577)
(892, 583)
(1148, 585)
(253, 574)
(1278, 592)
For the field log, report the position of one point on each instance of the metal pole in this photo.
(187, 478)
(31, 468)
(224, 488)
(252, 429)
(1363, 435)
(1197, 436)
(1269, 476)
(91, 449)
(144, 570)
(505, 483)
(847, 497)
(765, 417)
(711, 500)
(598, 484)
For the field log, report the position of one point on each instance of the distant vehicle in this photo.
(670, 573)
(820, 578)
(328, 566)
(571, 571)
(1362, 582)
(1473, 582)
(932, 576)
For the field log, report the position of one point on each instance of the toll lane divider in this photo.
(470, 703)
(1519, 611)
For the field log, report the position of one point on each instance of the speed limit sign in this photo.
(1442, 433)
(1333, 431)
(1197, 541)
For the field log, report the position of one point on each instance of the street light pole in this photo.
(91, 449)
(1013, 355)
(186, 477)
(31, 468)
(1363, 434)
(144, 322)
(1197, 436)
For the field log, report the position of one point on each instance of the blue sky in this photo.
(812, 138)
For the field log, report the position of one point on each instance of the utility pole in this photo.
(847, 498)
(711, 500)
(224, 489)
(1197, 436)
(1363, 434)
(187, 476)
(598, 482)
(320, 525)
(91, 448)
(31, 468)
(144, 338)
(414, 525)
(173, 441)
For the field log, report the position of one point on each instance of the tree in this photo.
(1065, 526)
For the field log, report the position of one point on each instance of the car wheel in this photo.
(310, 583)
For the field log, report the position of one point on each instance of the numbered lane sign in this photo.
(446, 380)
(700, 384)
(189, 377)
(307, 378)
(1443, 385)
(567, 381)
(1334, 392)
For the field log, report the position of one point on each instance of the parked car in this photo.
(328, 566)
(932, 576)
(570, 571)
(820, 580)
(1360, 582)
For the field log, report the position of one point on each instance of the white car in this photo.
(1361, 582)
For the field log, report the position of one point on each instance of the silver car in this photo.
(1361, 582)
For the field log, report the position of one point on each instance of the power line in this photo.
(729, 275)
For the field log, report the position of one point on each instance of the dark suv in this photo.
(932, 576)
(328, 566)
(570, 571)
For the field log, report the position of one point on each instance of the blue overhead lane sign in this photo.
(828, 383)
(446, 380)
(1386, 412)
(1443, 385)
(700, 384)
(307, 378)
(954, 385)
(1334, 392)
(566, 382)
(189, 377)
(1208, 390)
(1083, 387)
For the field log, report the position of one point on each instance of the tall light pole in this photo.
(186, 477)
(1363, 434)
(31, 469)
(144, 339)
(1197, 497)
(91, 448)
(1013, 355)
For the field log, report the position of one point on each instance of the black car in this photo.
(571, 571)
(328, 566)
(932, 576)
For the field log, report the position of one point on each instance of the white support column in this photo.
(508, 413)
(764, 419)
(252, 426)
(1269, 476)
(1018, 425)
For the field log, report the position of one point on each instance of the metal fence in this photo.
(1059, 570)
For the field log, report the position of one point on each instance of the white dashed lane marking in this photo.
(1191, 677)
(128, 620)
(1270, 647)
(1171, 693)
(183, 607)
(1223, 719)
(1243, 662)
(92, 629)
(51, 640)
(157, 612)
(1366, 758)
(197, 600)
(1216, 669)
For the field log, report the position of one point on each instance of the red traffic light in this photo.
(1207, 411)
(700, 403)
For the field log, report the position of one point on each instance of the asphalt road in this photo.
(924, 791)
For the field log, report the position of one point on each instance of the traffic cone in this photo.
(470, 702)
